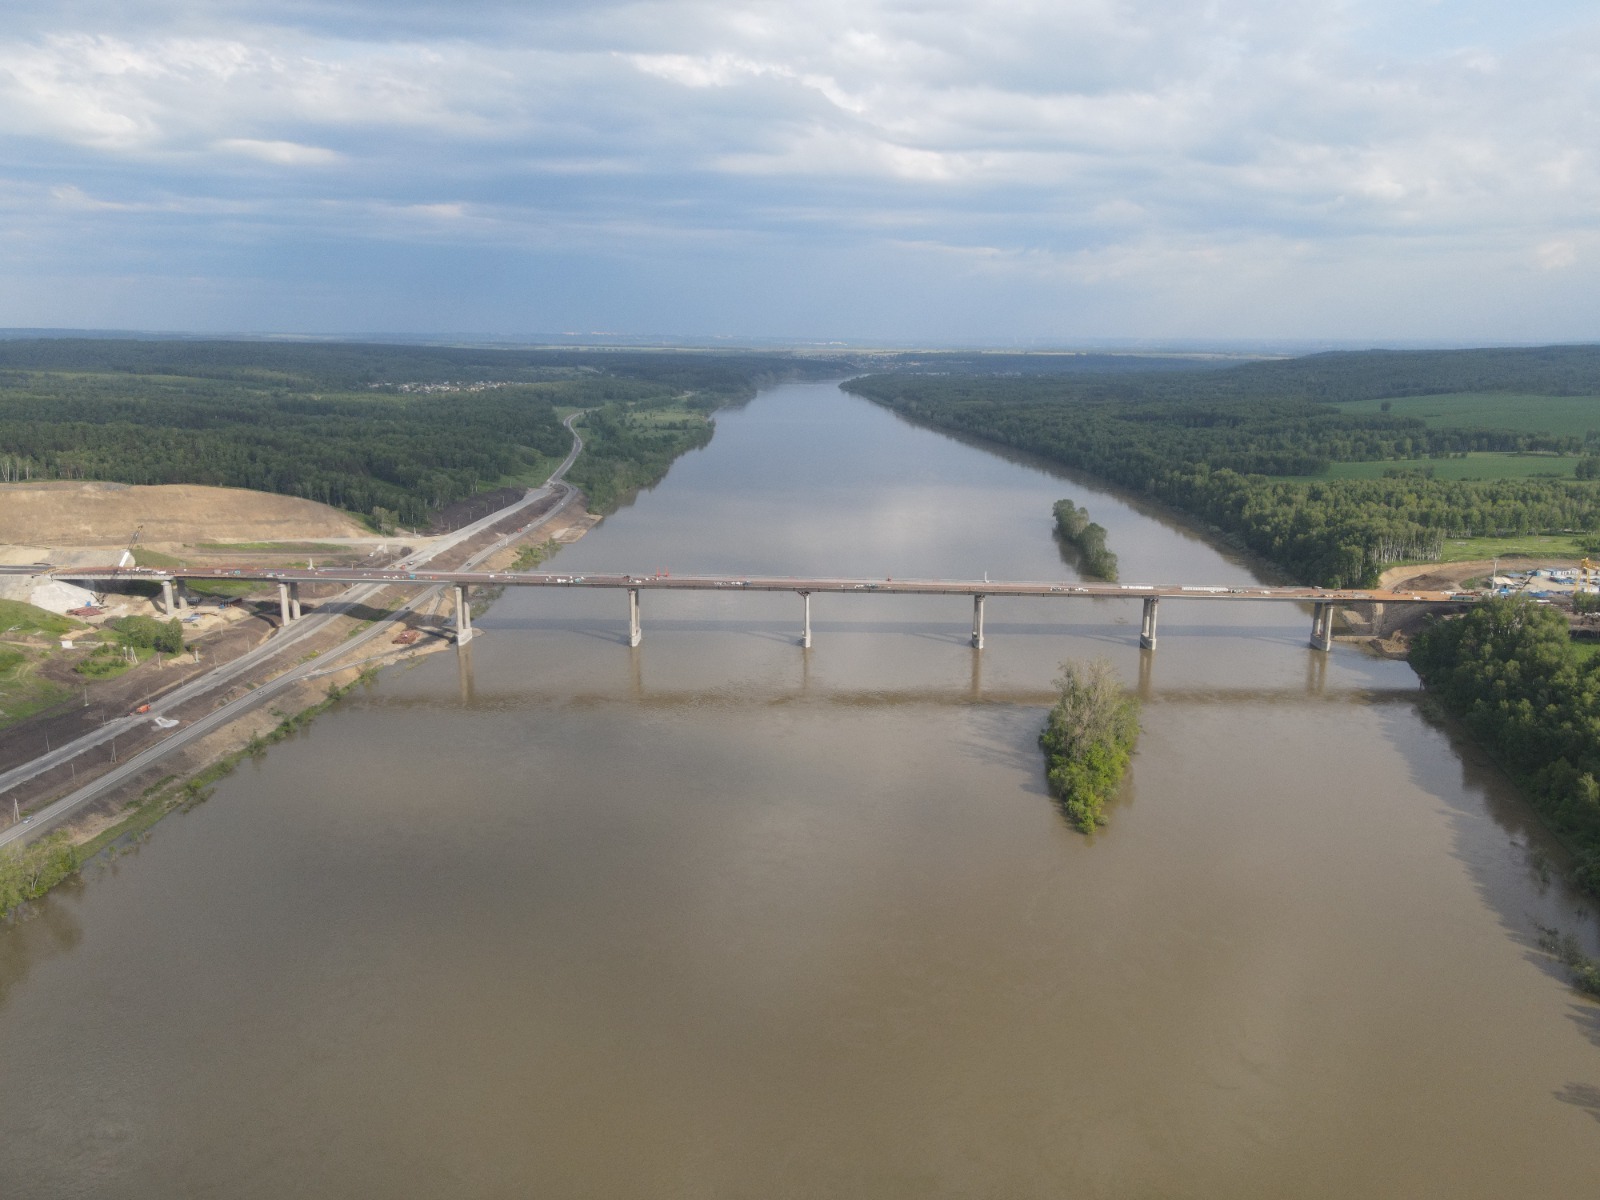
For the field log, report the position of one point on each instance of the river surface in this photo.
(719, 917)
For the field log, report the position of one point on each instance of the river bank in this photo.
(180, 779)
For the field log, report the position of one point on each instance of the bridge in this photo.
(1323, 601)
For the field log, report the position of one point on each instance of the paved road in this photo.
(405, 576)
(285, 640)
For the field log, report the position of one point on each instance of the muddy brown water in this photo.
(722, 918)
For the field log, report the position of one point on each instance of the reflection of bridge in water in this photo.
(635, 691)
(1323, 601)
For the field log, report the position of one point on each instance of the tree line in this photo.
(1508, 670)
(331, 423)
(1212, 442)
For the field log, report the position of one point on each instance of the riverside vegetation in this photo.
(1089, 539)
(1088, 740)
(1246, 449)
(1508, 669)
(389, 433)
(28, 872)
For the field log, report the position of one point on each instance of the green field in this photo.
(22, 692)
(1574, 415)
(1552, 545)
(1476, 465)
(19, 619)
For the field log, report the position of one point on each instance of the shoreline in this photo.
(129, 810)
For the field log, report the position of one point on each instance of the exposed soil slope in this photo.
(106, 514)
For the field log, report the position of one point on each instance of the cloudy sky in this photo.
(899, 171)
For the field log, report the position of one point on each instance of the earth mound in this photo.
(67, 513)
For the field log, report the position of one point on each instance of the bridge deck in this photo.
(770, 583)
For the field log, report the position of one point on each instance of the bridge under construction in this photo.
(1323, 601)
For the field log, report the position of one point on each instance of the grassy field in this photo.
(19, 619)
(1553, 545)
(1493, 410)
(144, 557)
(1477, 465)
(22, 691)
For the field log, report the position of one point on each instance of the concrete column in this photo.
(294, 601)
(805, 630)
(183, 598)
(1147, 631)
(463, 616)
(283, 602)
(977, 622)
(1322, 627)
(464, 674)
(635, 634)
(168, 605)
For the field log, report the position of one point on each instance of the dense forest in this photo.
(404, 429)
(1210, 443)
(1508, 669)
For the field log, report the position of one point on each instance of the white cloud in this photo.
(1556, 255)
(1078, 139)
(288, 154)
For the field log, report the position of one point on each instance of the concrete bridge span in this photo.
(1323, 601)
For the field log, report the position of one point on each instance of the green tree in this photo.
(31, 871)
(1088, 740)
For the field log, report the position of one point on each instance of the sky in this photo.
(909, 172)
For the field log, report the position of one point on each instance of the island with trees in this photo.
(1087, 538)
(1088, 740)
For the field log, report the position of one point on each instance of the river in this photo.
(720, 917)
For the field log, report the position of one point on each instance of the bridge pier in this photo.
(1322, 627)
(805, 629)
(168, 604)
(294, 601)
(977, 622)
(464, 681)
(1147, 631)
(283, 602)
(463, 616)
(635, 633)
